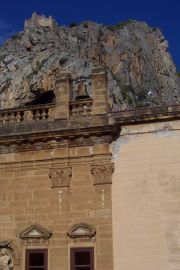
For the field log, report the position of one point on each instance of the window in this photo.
(82, 259)
(36, 259)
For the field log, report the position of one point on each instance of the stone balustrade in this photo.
(80, 108)
(40, 114)
(77, 109)
(33, 113)
(13, 116)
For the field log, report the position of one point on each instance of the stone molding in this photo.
(47, 145)
(80, 122)
(102, 173)
(60, 177)
(57, 162)
(81, 230)
(35, 231)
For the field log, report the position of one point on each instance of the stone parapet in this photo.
(26, 114)
(147, 114)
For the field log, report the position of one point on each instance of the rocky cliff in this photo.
(140, 69)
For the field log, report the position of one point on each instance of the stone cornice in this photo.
(52, 128)
(56, 138)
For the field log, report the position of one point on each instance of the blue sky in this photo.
(163, 14)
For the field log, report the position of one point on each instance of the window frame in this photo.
(34, 251)
(73, 250)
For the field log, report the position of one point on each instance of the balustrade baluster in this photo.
(73, 111)
(43, 114)
(81, 110)
(12, 117)
(18, 117)
(37, 115)
(88, 109)
(1, 118)
(84, 110)
(6, 118)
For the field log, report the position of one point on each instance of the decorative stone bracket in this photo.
(102, 173)
(60, 177)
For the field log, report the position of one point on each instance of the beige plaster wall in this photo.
(146, 197)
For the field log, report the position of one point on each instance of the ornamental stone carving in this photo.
(6, 262)
(6, 256)
(82, 230)
(102, 173)
(60, 177)
(48, 145)
(35, 231)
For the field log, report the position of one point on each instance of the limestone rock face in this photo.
(140, 69)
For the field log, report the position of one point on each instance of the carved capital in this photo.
(60, 177)
(102, 173)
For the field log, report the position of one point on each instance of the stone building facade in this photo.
(85, 188)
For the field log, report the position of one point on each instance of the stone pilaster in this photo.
(100, 91)
(62, 93)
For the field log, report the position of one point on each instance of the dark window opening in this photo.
(43, 98)
(36, 259)
(82, 259)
